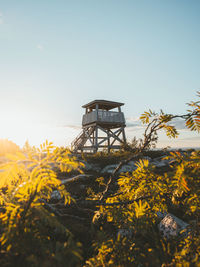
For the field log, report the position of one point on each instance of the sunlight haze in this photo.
(56, 56)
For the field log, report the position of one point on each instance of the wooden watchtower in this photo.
(102, 128)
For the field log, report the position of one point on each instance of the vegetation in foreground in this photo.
(115, 223)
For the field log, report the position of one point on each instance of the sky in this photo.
(57, 55)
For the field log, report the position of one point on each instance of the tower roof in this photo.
(103, 104)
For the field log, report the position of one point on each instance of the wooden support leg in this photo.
(123, 134)
(96, 139)
(108, 136)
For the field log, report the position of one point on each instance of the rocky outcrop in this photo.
(171, 226)
(159, 163)
(125, 168)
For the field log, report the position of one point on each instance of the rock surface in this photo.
(159, 163)
(55, 195)
(109, 168)
(171, 226)
(125, 168)
(125, 233)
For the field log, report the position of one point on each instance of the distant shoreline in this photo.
(177, 148)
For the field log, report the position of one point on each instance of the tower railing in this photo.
(103, 116)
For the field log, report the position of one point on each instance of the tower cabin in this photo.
(103, 127)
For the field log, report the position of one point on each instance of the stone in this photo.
(161, 162)
(125, 233)
(147, 158)
(109, 168)
(55, 195)
(90, 166)
(171, 226)
(132, 163)
(127, 168)
(124, 168)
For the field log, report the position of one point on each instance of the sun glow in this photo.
(19, 127)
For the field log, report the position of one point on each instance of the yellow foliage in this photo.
(26, 183)
(140, 208)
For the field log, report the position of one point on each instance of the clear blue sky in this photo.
(57, 55)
